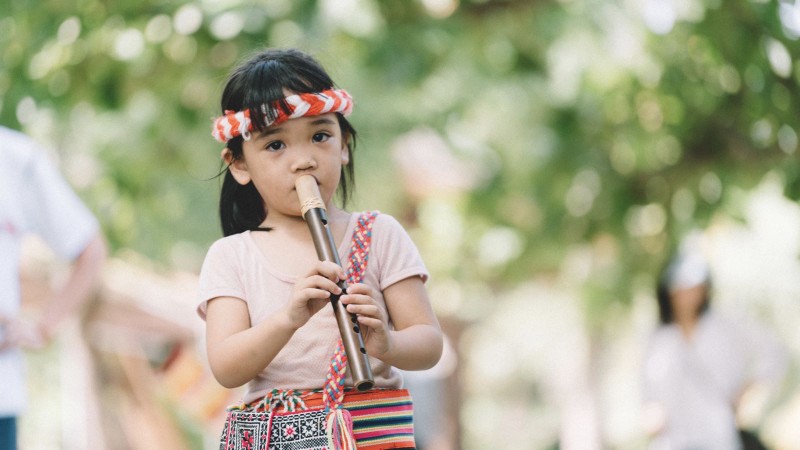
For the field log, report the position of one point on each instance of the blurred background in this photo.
(545, 155)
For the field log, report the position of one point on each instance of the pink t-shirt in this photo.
(235, 267)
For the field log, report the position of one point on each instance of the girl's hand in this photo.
(312, 292)
(374, 321)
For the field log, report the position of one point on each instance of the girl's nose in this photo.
(304, 163)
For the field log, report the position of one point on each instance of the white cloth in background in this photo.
(697, 381)
(34, 199)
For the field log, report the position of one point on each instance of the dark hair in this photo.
(663, 288)
(259, 81)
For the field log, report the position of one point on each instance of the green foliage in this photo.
(588, 128)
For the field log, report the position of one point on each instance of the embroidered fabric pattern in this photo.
(238, 123)
(270, 431)
(298, 430)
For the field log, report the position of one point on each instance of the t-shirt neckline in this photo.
(344, 245)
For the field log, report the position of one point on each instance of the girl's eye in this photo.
(321, 137)
(275, 145)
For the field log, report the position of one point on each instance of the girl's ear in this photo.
(346, 150)
(236, 166)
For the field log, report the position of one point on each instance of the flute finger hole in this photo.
(356, 329)
(363, 350)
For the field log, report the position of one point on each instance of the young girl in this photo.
(263, 292)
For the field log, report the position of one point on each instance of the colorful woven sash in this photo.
(333, 390)
(339, 422)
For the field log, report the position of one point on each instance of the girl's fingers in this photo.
(327, 269)
(360, 288)
(314, 293)
(371, 323)
(360, 299)
(319, 282)
(359, 294)
(364, 310)
(357, 299)
(367, 310)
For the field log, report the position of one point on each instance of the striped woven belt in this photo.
(382, 418)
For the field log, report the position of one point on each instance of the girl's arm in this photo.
(238, 351)
(416, 341)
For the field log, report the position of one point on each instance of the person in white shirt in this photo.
(35, 199)
(698, 363)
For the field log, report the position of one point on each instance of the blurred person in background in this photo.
(35, 199)
(699, 365)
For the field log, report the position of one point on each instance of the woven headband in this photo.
(234, 123)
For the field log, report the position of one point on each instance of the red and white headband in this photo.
(234, 123)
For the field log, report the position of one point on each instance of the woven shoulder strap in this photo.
(333, 391)
(359, 249)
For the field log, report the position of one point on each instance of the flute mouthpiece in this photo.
(308, 193)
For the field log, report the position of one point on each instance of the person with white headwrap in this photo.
(698, 363)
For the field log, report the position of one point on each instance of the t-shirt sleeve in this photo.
(53, 211)
(219, 276)
(396, 254)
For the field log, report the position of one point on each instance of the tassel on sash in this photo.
(339, 428)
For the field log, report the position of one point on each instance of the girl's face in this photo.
(686, 302)
(274, 159)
